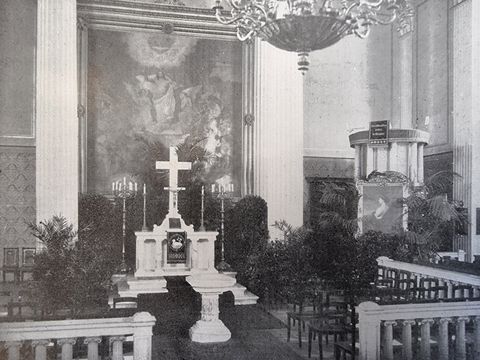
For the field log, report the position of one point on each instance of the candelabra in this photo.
(222, 192)
(202, 211)
(124, 189)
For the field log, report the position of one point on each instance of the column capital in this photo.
(427, 321)
(13, 344)
(43, 342)
(408, 322)
(390, 323)
(94, 339)
(462, 319)
(66, 341)
(117, 338)
(444, 320)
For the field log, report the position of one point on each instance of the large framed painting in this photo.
(381, 207)
(154, 76)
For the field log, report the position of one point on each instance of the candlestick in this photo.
(202, 210)
(144, 226)
(222, 266)
(124, 191)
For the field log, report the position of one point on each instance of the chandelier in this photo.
(303, 26)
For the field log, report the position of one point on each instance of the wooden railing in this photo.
(40, 335)
(419, 331)
(448, 285)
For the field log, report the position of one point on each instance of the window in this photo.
(28, 256)
(10, 257)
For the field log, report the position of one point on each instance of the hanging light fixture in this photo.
(303, 26)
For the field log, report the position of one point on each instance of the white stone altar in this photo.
(174, 248)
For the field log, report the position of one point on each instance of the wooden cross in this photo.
(173, 166)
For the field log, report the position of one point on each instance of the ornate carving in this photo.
(82, 24)
(209, 308)
(168, 28)
(387, 177)
(81, 111)
(249, 119)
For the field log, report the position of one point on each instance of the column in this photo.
(443, 340)
(40, 348)
(425, 338)
(13, 350)
(67, 347)
(465, 50)
(402, 102)
(92, 347)
(117, 347)
(476, 338)
(278, 135)
(420, 173)
(407, 339)
(56, 110)
(460, 347)
(388, 340)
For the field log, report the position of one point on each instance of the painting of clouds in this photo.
(145, 88)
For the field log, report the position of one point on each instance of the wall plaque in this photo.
(378, 134)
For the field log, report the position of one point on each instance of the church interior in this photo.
(239, 179)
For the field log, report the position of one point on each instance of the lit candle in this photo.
(136, 186)
(130, 186)
(124, 182)
(203, 190)
(113, 186)
(213, 188)
(231, 187)
(144, 189)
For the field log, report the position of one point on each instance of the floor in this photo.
(257, 333)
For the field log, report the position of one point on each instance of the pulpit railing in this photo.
(428, 282)
(38, 337)
(419, 331)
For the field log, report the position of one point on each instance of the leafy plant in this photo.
(74, 269)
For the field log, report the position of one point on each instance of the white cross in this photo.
(173, 166)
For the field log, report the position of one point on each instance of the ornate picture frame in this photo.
(132, 16)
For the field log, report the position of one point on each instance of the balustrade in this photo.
(386, 331)
(428, 283)
(66, 334)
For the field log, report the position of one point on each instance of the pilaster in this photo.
(56, 110)
(278, 135)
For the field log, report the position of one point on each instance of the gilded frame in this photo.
(134, 16)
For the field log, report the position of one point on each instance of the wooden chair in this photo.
(335, 324)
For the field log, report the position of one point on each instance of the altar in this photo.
(174, 248)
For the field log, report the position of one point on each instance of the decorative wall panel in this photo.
(17, 56)
(17, 196)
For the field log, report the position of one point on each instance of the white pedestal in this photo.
(210, 329)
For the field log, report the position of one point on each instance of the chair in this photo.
(335, 324)
(301, 316)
